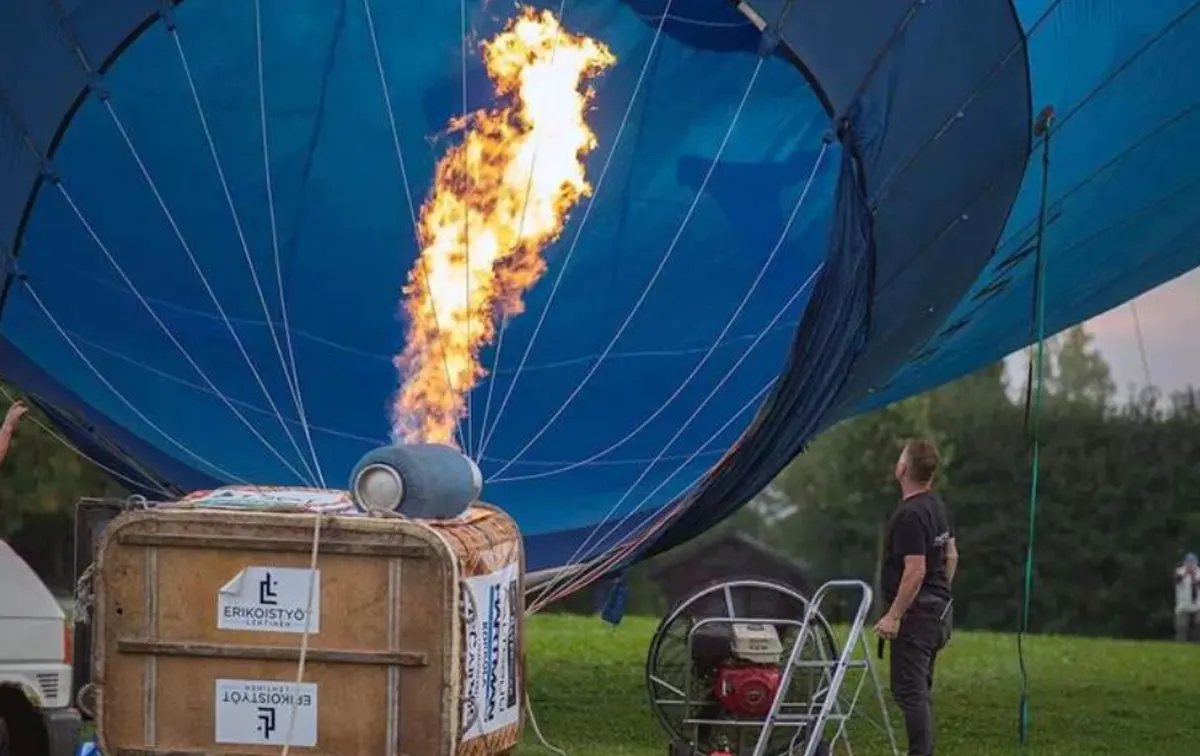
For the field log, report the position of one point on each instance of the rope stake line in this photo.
(1141, 344)
(1034, 405)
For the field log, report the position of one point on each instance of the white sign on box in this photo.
(491, 700)
(270, 599)
(258, 712)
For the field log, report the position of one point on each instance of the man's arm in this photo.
(15, 412)
(951, 559)
(910, 584)
(6, 432)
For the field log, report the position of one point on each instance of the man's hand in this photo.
(15, 413)
(888, 627)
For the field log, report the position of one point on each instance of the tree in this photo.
(982, 393)
(40, 481)
(1082, 376)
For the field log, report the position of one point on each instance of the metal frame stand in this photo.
(690, 697)
(855, 654)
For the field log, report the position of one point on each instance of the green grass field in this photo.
(1088, 697)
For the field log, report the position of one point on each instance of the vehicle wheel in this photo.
(22, 730)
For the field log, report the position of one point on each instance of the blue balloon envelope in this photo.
(801, 211)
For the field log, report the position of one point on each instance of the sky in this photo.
(1170, 323)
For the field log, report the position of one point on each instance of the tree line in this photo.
(41, 479)
(1118, 497)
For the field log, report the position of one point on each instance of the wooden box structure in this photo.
(414, 647)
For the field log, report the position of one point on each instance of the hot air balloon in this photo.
(797, 211)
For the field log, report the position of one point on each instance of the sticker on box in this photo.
(270, 599)
(491, 699)
(259, 712)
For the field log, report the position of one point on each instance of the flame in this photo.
(499, 198)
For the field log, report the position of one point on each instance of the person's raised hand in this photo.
(15, 412)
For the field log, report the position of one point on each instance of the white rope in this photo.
(117, 393)
(630, 355)
(594, 567)
(275, 241)
(370, 441)
(312, 581)
(163, 304)
(412, 208)
(207, 287)
(283, 308)
(537, 146)
(237, 222)
(304, 642)
(537, 731)
(163, 326)
(649, 284)
(462, 14)
(587, 212)
(717, 341)
(62, 189)
(577, 577)
(148, 483)
(575, 557)
(618, 462)
(582, 580)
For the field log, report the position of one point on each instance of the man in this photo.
(920, 558)
(1187, 600)
(15, 412)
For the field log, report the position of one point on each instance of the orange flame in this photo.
(513, 179)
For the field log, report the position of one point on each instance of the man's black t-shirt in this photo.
(921, 525)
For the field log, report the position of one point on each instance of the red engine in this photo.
(747, 690)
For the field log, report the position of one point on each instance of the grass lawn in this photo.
(1088, 697)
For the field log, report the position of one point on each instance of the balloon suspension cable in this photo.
(1033, 405)
(1141, 345)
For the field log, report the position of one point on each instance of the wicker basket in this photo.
(415, 644)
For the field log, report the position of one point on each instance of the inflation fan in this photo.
(752, 667)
